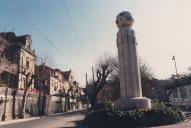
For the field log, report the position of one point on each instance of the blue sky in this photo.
(162, 27)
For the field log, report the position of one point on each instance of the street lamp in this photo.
(174, 59)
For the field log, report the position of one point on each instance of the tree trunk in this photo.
(23, 106)
(49, 98)
(44, 104)
(14, 93)
(5, 105)
(61, 107)
(65, 104)
(93, 100)
(168, 96)
(68, 103)
(39, 104)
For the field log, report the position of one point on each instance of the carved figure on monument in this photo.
(130, 81)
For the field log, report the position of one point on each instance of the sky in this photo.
(73, 34)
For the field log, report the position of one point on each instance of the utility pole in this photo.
(174, 59)
(87, 90)
(93, 74)
(86, 79)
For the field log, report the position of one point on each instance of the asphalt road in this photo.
(67, 120)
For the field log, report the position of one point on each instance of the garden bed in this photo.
(104, 115)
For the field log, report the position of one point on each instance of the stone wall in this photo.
(181, 96)
(34, 103)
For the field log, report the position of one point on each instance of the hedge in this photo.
(105, 114)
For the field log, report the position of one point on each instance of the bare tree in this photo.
(114, 65)
(67, 94)
(148, 80)
(103, 70)
(5, 105)
(43, 91)
(108, 72)
(28, 83)
(9, 83)
(45, 59)
(41, 81)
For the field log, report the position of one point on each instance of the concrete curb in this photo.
(17, 120)
(58, 114)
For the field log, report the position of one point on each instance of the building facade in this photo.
(18, 50)
(54, 79)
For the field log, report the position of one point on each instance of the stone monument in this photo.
(130, 81)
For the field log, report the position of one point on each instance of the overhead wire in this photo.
(73, 27)
(21, 12)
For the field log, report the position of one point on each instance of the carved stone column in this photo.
(130, 81)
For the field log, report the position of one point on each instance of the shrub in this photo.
(105, 115)
(102, 114)
(101, 107)
(164, 115)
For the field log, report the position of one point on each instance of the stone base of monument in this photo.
(133, 103)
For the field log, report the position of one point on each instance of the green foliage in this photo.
(105, 115)
(101, 107)
(162, 115)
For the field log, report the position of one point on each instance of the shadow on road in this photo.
(79, 124)
(72, 113)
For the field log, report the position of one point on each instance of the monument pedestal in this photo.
(133, 103)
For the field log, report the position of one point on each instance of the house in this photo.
(60, 84)
(52, 90)
(53, 79)
(18, 51)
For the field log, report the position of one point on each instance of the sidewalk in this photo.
(17, 120)
(35, 118)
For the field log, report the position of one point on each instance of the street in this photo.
(69, 119)
(66, 120)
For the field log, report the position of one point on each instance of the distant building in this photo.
(55, 82)
(18, 50)
(54, 79)
(182, 96)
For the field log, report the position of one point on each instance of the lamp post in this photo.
(174, 59)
